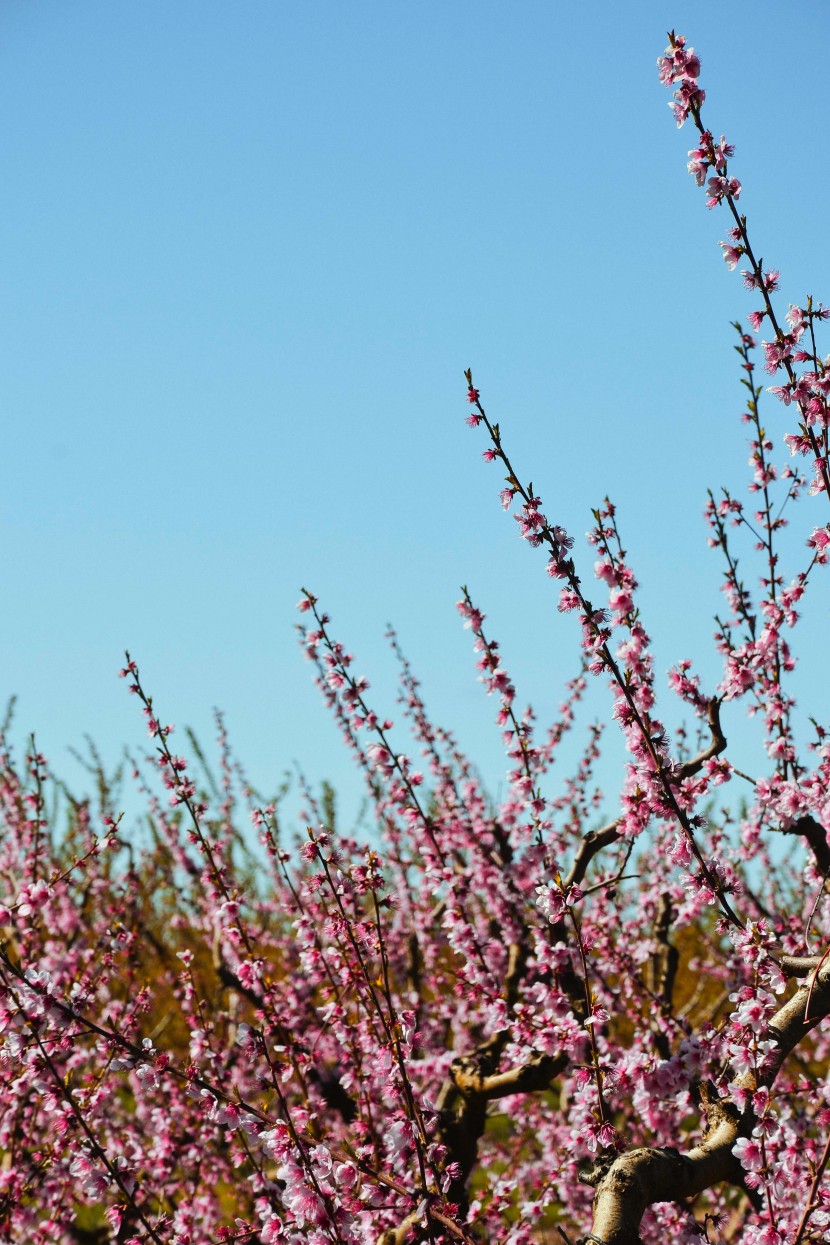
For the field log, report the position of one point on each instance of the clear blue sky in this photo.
(247, 251)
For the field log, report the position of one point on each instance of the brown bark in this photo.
(639, 1178)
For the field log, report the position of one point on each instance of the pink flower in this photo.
(820, 540)
(731, 254)
(94, 1181)
(716, 188)
(345, 1175)
(747, 1151)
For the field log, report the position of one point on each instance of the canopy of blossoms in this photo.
(508, 1021)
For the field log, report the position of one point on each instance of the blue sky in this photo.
(248, 250)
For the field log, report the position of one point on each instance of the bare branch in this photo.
(816, 837)
(529, 1077)
(594, 841)
(798, 965)
(718, 744)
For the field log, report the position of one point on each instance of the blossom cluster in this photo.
(488, 1012)
(790, 353)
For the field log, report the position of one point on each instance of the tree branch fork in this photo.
(642, 1177)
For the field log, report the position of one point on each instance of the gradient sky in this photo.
(247, 251)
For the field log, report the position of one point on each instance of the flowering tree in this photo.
(501, 1023)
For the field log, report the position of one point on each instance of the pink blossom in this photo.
(731, 255)
(748, 1153)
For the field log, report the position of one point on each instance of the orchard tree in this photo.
(499, 1023)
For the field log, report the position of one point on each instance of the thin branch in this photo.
(816, 838)
(594, 841)
(530, 1077)
(718, 744)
